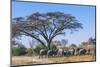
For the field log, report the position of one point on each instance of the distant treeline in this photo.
(18, 50)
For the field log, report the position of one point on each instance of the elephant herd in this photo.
(61, 52)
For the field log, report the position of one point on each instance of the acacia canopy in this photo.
(45, 25)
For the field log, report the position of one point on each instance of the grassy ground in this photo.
(26, 60)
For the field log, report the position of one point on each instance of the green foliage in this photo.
(53, 47)
(38, 48)
(19, 50)
(30, 51)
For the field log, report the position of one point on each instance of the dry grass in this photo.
(21, 60)
(26, 60)
(74, 59)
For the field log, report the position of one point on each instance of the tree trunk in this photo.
(48, 44)
(48, 47)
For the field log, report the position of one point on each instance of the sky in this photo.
(84, 14)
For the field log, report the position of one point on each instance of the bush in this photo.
(19, 50)
(38, 48)
(30, 51)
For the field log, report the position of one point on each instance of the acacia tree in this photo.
(47, 26)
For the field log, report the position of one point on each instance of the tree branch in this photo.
(33, 37)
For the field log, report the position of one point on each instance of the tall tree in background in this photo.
(47, 26)
(73, 45)
(92, 41)
(64, 42)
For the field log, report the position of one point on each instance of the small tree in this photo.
(73, 45)
(38, 48)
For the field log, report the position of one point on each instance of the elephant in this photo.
(60, 52)
(68, 52)
(77, 51)
(82, 51)
(71, 52)
(64, 53)
(51, 53)
(43, 52)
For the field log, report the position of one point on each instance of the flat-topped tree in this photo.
(47, 25)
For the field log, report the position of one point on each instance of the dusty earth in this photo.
(26, 60)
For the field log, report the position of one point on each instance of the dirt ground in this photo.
(26, 60)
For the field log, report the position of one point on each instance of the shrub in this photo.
(19, 50)
(30, 51)
(38, 48)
